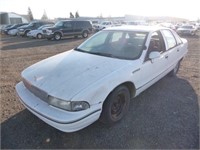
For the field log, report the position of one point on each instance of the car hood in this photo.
(35, 31)
(21, 27)
(66, 74)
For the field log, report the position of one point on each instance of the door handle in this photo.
(177, 50)
(166, 56)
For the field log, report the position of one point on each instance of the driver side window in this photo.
(67, 25)
(156, 44)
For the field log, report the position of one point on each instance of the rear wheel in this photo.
(115, 106)
(57, 36)
(85, 34)
(175, 70)
(193, 33)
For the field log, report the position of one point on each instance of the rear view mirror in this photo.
(154, 54)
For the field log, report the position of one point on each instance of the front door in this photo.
(152, 70)
(67, 28)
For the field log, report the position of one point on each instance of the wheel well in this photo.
(58, 33)
(130, 86)
(27, 31)
(85, 31)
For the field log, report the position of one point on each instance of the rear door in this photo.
(78, 27)
(173, 48)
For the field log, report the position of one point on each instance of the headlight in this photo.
(68, 105)
(49, 31)
(21, 29)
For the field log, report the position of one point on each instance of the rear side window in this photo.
(170, 39)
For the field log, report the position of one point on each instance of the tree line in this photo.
(44, 16)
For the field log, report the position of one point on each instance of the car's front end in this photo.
(13, 32)
(21, 31)
(66, 116)
(186, 30)
(33, 33)
(48, 33)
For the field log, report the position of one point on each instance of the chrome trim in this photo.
(135, 70)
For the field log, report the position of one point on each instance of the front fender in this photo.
(98, 92)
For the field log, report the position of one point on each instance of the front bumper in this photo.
(12, 32)
(48, 35)
(185, 32)
(60, 119)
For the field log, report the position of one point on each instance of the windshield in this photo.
(31, 24)
(105, 23)
(187, 27)
(59, 24)
(117, 44)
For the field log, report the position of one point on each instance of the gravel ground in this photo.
(164, 116)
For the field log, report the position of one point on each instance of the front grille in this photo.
(44, 31)
(36, 91)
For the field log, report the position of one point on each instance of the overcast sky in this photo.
(189, 9)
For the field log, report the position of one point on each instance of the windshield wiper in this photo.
(102, 54)
(78, 49)
(95, 53)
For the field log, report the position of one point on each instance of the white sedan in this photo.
(96, 80)
(38, 33)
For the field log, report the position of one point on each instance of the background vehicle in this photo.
(187, 30)
(3, 27)
(68, 28)
(15, 26)
(38, 33)
(103, 25)
(31, 26)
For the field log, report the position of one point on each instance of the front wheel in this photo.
(115, 106)
(57, 36)
(39, 35)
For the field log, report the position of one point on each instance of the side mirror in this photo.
(154, 54)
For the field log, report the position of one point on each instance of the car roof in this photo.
(136, 28)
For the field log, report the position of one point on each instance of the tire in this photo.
(39, 36)
(85, 34)
(25, 34)
(193, 33)
(175, 70)
(115, 106)
(57, 36)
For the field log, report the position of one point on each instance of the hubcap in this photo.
(85, 34)
(57, 36)
(176, 68)
(117, 106)
(39, 36)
